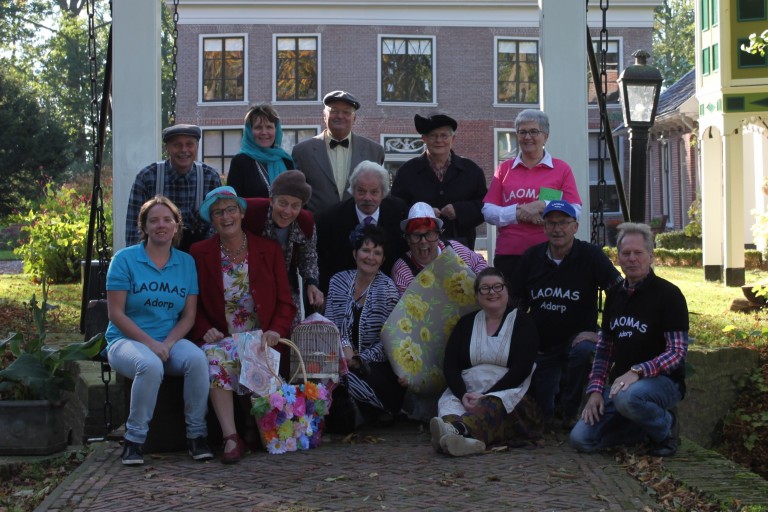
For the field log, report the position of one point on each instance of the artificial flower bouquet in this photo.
(291, 418)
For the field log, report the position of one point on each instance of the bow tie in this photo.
(343, 143)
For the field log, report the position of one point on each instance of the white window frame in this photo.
(381, 37)
(496, 153)
(316, 127)
(496, 41)
(318, 99)
(610, 179)
(620, 67)
(201, 150)
(246, 81)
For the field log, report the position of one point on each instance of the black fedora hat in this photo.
(424, 125)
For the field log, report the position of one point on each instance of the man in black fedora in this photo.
(453, 185)
(180, 178)
(328, 158)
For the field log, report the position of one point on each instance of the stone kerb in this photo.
(713, 385)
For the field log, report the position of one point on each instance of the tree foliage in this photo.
(34, 149)
(674, 39)
(757, 44)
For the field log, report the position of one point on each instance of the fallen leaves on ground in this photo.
(24, 486)
(669, 493)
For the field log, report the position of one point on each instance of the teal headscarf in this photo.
(272, 157)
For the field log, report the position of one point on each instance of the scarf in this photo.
(272, 157)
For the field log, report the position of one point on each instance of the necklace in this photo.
(263, 173)
(232, 255)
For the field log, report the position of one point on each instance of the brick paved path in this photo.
(401, 472)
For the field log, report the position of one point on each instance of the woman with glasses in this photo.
(521, 188)
(453, 185)
(422, 231)
(359, 302)
(489, 360)
(261, 159)
(243, 287)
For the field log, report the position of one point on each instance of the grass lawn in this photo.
(708, 303)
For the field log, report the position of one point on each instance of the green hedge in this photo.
(753, 259)
(677, 240)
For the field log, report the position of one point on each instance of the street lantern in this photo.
(640, 85)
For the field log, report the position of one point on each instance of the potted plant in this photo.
(38, 405)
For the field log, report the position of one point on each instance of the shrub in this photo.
(9, 237)
(55, 234)
(693, 228)
(677, 240)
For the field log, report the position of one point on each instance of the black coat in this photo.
(334, 250)
(464, 186)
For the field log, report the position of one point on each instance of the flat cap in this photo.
(424, 125)
(341, 96)
(181, 129)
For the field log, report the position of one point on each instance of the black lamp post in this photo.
(640, 85)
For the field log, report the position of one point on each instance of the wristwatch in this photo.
(637, 370)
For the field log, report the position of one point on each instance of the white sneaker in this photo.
(439, 428)
(459, 446)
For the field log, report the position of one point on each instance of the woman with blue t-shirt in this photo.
(152, 299)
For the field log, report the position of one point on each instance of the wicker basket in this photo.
(319, 345)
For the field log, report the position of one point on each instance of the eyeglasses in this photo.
(429, 236)
(486, 290)
(524, 133)
(439, 136)
(562, 224)
(229, 210)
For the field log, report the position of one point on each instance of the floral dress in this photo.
(223, 359)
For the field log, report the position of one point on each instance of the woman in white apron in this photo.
(489, 360)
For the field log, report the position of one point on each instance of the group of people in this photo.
(204, 262)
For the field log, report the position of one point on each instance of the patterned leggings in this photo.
(493, 425)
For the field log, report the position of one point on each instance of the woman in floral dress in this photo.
(244, 287)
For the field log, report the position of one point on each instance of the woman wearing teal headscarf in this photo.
(261, 159)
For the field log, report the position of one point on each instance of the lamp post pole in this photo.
(640, 85)
(638, 149)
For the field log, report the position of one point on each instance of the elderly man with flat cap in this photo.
(328, 159)
(181, 179)
(453, 185)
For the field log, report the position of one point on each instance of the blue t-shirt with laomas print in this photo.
(156, 297)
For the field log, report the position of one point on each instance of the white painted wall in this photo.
(136, 105)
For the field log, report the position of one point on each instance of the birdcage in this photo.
(319, 344)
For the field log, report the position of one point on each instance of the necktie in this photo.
(368, 221)
(343, 143)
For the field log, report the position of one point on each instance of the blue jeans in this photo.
(642, 410)
(134, 360)
(576, 375)
(546, 378)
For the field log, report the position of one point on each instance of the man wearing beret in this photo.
(182, 180)
(557, 282)
(328, 158)
(454, 186)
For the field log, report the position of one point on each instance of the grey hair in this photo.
(530, 115)
(369, 167)
(635, 228)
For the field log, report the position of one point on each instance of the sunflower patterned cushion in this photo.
(417, 330)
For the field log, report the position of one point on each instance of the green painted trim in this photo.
(755, 102)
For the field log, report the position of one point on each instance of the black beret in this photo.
(424, 125)
(341, 96)
(181, 129)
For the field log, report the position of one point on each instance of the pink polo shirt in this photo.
(514, 183)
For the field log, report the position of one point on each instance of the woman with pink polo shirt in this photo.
(522, 187)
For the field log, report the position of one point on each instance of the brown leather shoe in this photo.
(235, 454)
